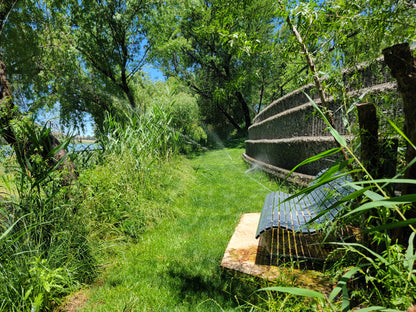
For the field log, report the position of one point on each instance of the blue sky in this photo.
(154, 73)
(52, 116)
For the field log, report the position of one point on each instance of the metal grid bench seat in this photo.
(285, 227)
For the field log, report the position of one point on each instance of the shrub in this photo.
(45, 253)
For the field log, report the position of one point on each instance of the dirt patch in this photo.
(74, 302)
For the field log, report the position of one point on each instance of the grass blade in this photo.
(296, 291)
(390, 203)
(376, 308)
(390, 226)
(316, 157)
(410, 257)
(342, 283)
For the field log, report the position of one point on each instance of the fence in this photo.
(288, 131)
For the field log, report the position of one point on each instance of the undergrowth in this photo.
(148, 229)
(191, 207)
(376, 271)
(45, 253)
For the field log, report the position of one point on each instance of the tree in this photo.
(85, 56)
(343, 34)
(8, 111)
(48, 146)
(217, 47)
(110, 37)
(402, 63)
(43, 69)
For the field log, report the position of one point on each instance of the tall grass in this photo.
(48, 224)
(117, 194)
(147, 137)
(44, 249)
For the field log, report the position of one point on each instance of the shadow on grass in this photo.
(224, 288)
(236, 143)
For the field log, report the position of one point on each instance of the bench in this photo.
(290, 226)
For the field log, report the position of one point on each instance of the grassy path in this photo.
(175, 265)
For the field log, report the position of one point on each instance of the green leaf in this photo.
(398, 181)
(401, 133)
(342, 283)
(390, 203)
(354, 105)
(410, 257)
(5, 233)
(37, 304)
(317, 157)
(390, 226)
(340, 139)
(318, 109)
(379, 257)
(296, 291)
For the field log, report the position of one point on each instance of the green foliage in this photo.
(116, 199)
(117, 194)
(82, 55)
(219, 50)
(184, 112)
(42, 65)
(44, 249)
(110, 38)
(383, 269)
(169, 110)
(348, 27)
(148, 138)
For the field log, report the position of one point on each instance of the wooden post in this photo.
(367, 117)
(403, 67)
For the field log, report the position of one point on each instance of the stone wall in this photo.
(288, 130)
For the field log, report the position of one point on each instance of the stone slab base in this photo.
(244, 255)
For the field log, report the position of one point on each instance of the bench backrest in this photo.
(279, 210)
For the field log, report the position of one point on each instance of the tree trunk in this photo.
(126, 88)
(130, 97)
(229, 117)
(7, 109)
(245, 109)
(367, 117)
(261, 98)
(403, 67)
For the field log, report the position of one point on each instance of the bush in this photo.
(45, 254)
(182, 108)
(118, 194)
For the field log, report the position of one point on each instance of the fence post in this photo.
(367, 118)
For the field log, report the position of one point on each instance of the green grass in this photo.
(6, 187)
(2, 177)
(175, 265)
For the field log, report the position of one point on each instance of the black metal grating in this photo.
(289, 226)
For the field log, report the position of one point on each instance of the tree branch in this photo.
(315, 75)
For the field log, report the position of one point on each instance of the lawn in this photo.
(175, 265)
